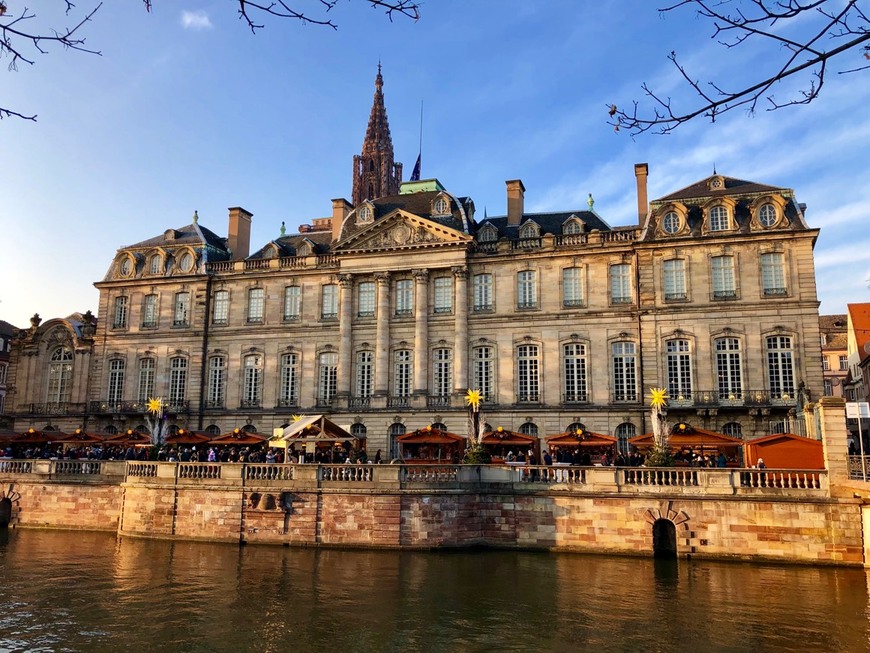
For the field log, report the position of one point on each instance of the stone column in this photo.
(460, 336)
(382, 336)
(345, 344)
(831, 418)
(421, 332)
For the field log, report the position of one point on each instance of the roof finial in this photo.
(590, 201)
(283, 229)
(195, 217)
(714, 168)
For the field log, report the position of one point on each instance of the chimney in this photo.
(641, 170)
(239, 233)
(515, 194)
(340, 209)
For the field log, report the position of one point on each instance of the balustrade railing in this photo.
(572, 239)
(16, 466)
(429, 473)
(552, 474)
(781, 478)
(60, 408)
(199, 470)
(655, 476)
(142, 470)
(346, 472)
(269, 472)
(77, 467)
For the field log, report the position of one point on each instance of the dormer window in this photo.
(488, 234)
(529, 230)
(185, 263)
(717, 183)
(271, 252)
(441, 207)
(671, 222)
(155, 263)
(767, 215)
(365, 215)
(304, 249)
(718, 218)
(572, 227)
(125, 267)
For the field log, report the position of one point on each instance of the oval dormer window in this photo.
(671, 223)
(126, 266)
(185, 263)
(767, 215)
(441, 206)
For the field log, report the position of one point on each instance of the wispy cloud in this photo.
(195, 20)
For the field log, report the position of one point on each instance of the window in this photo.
(826, 365)
(624, 432)
(528, 370)
(767, 215)
(488, 234)
(185, 263)
(844, 363)
(155, 263)
(574, 366)
(256, 301)
(773, 274)
(780, 367)
(364, 368)
(829, 388)
(620, 283)
(404, 296)
(292, 303)
(181, 316)
(116, 381)
(728, 368)
(674, 273)
(482, 377)
(146, 379)
(572, 228)
(733, 430)
(443, 295)
(120, 316)
(327, 376)
(441, 206)
(527, 289)
(252, 384)
(529, 428)
(724, 286)
(329, 302)
(213, 429)
(358, 430)
(221, 310)
(60, 375)
(177, 381)
(718, 218)
(215, 393)
(3, 368)
(529, 230)
(364, 215)
(572, 287)
(442, 372)
(126, 266)
(679, 369)
(366, 299)
(396, 430)
(624, 371)
(149, 312)
(288, 386)
(482, 290)
(671, 223)
(402, 379)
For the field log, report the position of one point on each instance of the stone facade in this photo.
(384, 314)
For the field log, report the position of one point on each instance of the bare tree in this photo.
(825, 29)
(22, 39)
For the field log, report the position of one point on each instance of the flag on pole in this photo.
(415, 175)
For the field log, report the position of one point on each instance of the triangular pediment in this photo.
(402, 230)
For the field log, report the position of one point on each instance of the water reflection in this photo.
(93, 592)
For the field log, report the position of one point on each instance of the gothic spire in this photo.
(375, 174)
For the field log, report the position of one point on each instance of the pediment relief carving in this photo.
(403, 230)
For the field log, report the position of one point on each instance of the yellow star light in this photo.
(155, 405)
(473, 398)
(658, 397)
(296, 418)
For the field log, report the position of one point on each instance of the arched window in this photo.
(111, 429)
(718, 218)
(144, 430)
(487, 234)
(147, 367)
(155, 263)
(780, 368)
(528, 369)
(439, 426)
(402, 373)
(252, 388)
(529, 428)
(733, 429)
(573, 426)
(60, 375)
(529, 230)
(572, 227)
(728, 368)
(625, 431)
(248, 428)
(217, 381)
(177, 381)
(767, 215)
(327, 377)
(396, 430)
(441, 206)
(213, 429)
(575, 373)
(671, 223)
(358, 430)
(115, 392)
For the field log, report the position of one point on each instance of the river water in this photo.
(71, 591)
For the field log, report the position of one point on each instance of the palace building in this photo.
(385, 313)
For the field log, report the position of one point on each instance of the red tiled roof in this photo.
(859, 315)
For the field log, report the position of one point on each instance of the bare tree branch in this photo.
(822, 23)
(21, 44)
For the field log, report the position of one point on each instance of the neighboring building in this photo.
(858, 325)
(7, 331)
(835, 353)
(386, 313)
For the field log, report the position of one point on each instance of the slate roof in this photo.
(700, 189)
(288, 245)
(550, 223)
(416, 203)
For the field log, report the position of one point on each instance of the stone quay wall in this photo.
(782, 515)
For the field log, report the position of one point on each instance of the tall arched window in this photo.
(177, 381)
(718, 218)
(252, 390)
(327, 377)
(60, 370)
(115, 392)
(529, 428)
(440, 426)
(358, 430)
(574, 368)
(780, 368)
(147, 367)
(217, 381)
(528, 373)
(728, 368)
(396, 430)
(403, 373)
(213, 429)
(624, 432)
(574, 426)
(288, 391)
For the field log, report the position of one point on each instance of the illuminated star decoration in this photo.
(658, 397)
(155, 405)
(296, 418)
(472, 399)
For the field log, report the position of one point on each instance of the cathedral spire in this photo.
(375, 174)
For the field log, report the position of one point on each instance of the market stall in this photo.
(692, 445)
(582, 447)
(504, 445)
(429, 445)
(784, 451)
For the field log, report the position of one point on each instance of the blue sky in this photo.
(187, 110)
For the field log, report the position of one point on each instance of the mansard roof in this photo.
(289, 245)
(731, 186)
(550, 223)
(192, 234)
(416, 203)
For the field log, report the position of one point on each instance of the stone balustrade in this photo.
(610, 480)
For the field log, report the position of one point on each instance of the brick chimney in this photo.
(515, 200)
(239, 233)
(641, 170)
(340, 209)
